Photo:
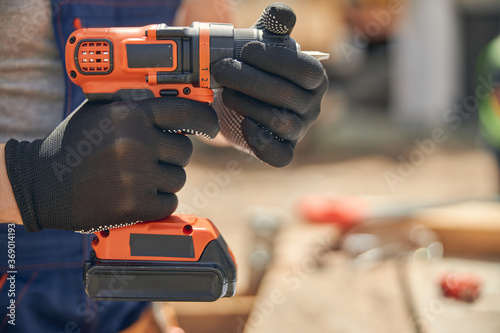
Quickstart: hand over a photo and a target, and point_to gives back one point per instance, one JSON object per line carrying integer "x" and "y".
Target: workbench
{"x": 309, "y": 290}
{"x": 297, "y": 296}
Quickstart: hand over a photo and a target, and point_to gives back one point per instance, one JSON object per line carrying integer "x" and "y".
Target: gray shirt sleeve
{"x": 31, "y": 73}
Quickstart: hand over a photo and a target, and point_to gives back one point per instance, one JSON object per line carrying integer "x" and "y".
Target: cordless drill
{"x": 180, "y": 258}
{"x": 158, "y": 60}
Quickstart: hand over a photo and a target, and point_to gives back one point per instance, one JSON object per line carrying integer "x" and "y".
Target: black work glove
{"x": 107, "y": 165}
{"x": 272, "y": 95}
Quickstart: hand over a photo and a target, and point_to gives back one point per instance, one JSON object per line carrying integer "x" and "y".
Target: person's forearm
{"x": 9, "y": 212}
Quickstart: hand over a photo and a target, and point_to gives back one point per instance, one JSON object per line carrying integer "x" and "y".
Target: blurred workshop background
{"x": 388, "y": 218}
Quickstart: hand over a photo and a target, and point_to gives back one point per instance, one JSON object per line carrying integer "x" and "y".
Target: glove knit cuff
{"x": 17, "y": 163}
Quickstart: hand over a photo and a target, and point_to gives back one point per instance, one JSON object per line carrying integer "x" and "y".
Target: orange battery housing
{"x": 180, "y": 258}
{"x": 195, "y": 232}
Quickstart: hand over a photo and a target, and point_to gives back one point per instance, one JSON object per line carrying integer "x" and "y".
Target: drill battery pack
{"x": 181, "y": 258}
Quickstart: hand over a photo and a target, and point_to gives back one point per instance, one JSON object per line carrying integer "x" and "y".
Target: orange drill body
{"x": 156, "y": 60}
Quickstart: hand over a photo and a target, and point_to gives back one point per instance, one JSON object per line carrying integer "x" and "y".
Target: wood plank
{"x": 223, "y": 315}
{"x": 298, "y": 296}
{"x": 471, "y": 228}
{"x": 437, "y": 314}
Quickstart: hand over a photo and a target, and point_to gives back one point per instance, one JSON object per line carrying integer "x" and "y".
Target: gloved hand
{"x": 107, "y": 165}
{"x": 272, "y": 95}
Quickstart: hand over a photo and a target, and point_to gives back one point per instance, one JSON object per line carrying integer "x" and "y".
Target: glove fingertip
{"x": 169, "y": 204}
{"x": 265, "y": 145}
{"x": 314, "y": 74}
{"x": 229, "y": 97}
{"x": 302, "y": 69}
{"x": 254, "y": 51}
{"x": 176, "y": 114}
{"x": 224, "y": 68}
{"x": 277, "y": 18}
{"x": 210, "y": 122}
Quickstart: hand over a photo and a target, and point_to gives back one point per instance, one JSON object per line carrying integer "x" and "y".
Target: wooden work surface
{"x": 330, "y": 298}
{"x": 295, "y": 296}
{"x": 298, "y": 296}
{"x": 437, "y": 314}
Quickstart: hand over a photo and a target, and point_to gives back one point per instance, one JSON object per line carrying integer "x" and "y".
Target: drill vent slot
{"x": 94, "y": 57}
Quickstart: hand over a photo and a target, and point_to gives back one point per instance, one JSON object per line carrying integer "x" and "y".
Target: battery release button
{"x": 169, "y": 92}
